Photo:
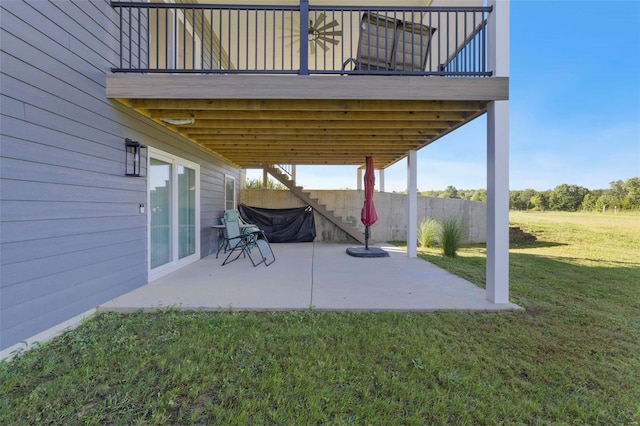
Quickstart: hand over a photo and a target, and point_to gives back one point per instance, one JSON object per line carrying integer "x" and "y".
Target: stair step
{"x": 315, "y": 204}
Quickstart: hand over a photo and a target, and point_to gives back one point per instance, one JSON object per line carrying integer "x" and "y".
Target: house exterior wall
{"x": 71, "y": 232}
{"x": 391, "y": 209}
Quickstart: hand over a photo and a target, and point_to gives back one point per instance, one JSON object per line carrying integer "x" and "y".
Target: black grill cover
{"x": 282, "y": 225}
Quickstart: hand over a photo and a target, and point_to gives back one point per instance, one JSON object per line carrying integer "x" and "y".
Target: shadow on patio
{"x": 311, "y": 275}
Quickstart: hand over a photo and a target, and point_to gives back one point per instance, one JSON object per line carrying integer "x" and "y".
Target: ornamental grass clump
{"x": 450, "y": 236}
{"x": 428, "y": 232}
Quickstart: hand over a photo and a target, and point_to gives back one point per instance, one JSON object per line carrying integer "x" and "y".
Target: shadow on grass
{"x": 535, "y": 244}
{"x": 560, "y": 282}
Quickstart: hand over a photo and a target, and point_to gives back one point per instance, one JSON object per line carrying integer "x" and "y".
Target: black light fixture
{"x": 134, "y": 156}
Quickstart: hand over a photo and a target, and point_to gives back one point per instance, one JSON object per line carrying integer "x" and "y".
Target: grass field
{"x": 573, "y": 357}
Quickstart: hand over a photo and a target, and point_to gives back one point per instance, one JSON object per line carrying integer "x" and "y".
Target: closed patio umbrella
{"x": 368, "y": 215}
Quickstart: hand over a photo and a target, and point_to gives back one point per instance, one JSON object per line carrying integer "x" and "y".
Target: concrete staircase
{"x": 322, "y": 209}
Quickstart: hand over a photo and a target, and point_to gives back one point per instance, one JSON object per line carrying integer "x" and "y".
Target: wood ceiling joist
{"x": 307, "y": 139}
{"x": 293, "y": 161}
{"x": 298, "y": 158}
{"x": 268, "y": 133}
{"x": 322, "y": 124}
{"x": 236, "y": 153}
{"x": 309, "y": 115}
{"x": 239, "y": 149}
{"x": 306, "y": 105}
{"x": 317, "y": 145}
{"x": 258, "y": 152}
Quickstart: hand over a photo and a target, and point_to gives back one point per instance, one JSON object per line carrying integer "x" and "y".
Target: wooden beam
{"x": 268, "y": 133}
{"x": 275, "y": 138}
{"x": 309, "y": 115}
{"x": 305, "y": 105}
{"x": 320, "y": 124}
{"x": 349, "y": 162}
{"x": 355, "y": 159}
{"x": 324, "y": 149}
{"x": 327, "y": 152}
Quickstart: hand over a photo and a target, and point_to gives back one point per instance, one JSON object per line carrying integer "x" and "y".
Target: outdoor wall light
{"x": 135, "y": 153}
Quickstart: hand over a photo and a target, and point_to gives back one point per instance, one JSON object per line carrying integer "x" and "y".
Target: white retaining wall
{"x": 391, "y": 209}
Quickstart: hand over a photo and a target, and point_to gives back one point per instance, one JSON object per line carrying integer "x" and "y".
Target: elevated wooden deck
{"x": 257, "y": 120}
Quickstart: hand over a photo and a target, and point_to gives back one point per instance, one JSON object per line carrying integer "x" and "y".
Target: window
{"x": 229, "y": 192}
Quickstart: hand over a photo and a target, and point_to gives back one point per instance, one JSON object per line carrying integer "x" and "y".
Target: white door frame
{"x": 175, "y": 263}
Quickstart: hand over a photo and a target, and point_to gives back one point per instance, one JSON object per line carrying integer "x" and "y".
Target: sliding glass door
{"x": 160, "y": 192}
{"x": 186, "y": 211}
{"x": 174, "y": 213}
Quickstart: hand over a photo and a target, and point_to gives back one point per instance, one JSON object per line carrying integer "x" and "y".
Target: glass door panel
{"x": 160, "y": 211}
{"x": 186, "y": 211}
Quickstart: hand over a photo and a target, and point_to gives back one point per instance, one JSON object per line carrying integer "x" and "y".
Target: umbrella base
{"x": 363, "y": 252}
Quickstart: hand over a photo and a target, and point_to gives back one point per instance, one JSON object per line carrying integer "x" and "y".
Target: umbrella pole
{"x": 366, "y": 238}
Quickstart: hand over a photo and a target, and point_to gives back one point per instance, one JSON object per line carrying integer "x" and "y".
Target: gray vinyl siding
{"x": 71, "y": 235}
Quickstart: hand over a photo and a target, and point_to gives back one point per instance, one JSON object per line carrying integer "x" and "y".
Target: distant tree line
{"x": 622, "y": 195}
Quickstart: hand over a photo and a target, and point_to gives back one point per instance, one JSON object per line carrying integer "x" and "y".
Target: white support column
{"x": 498, "y": 202}
{"x": 381, "y": 184}
{"x": 498, "y": 160}
{"x": 412, "y": 203}
{"x": 359, "y": 177}
{"x": 243, "y": 179}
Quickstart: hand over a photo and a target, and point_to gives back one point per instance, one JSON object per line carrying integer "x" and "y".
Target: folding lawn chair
{"x": 241, "y": 240}
{"x": 262, "y": 252}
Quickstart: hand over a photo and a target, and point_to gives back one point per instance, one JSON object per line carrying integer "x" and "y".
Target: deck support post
{"x": 498, "y": 202}
{"x": 412, "y": 203}
{"x": 498, "y": 160}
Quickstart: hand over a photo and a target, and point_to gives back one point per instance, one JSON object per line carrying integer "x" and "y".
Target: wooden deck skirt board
{"x": 159, "y": 86}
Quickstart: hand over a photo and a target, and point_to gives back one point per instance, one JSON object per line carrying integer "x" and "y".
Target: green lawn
{"x": 573, "y": 357}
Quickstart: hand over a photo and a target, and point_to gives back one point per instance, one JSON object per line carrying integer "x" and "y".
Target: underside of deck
{"x": 257, "y": 120}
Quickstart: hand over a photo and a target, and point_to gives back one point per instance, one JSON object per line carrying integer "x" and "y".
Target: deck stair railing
{"x": 301, "y": 39}
{"x": 288, "y": 169}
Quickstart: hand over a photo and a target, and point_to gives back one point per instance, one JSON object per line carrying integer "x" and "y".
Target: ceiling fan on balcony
{"x": 321, "y": 33}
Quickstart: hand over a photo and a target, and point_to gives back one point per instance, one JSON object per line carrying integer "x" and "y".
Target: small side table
{"x": 222, "y": 239}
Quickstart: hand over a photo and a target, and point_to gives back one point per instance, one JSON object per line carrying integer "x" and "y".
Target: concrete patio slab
{"x": 310, "y": 275}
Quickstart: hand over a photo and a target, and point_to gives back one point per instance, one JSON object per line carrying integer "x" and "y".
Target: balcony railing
{"x": 302, "y": 39}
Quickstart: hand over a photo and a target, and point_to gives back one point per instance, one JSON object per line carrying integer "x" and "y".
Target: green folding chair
{"x": 241, "y": 241}
{"x": 262, "y": 252}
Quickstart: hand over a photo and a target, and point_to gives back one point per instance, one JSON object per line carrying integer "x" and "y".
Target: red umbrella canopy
{"x": 368, "y": 215}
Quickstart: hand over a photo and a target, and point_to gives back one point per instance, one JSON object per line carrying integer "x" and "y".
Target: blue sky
{"x": 574, "y": 106}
